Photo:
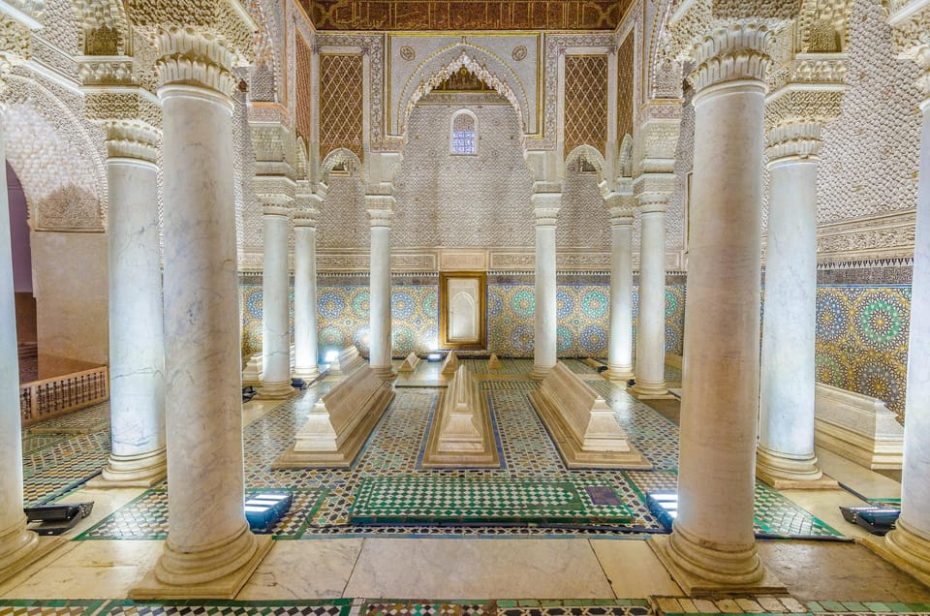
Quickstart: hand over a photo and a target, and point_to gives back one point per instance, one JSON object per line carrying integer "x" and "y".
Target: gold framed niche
{"x": 469, "y": 294}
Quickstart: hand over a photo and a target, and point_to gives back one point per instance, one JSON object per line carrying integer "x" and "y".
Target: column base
{"x": 699, "y": 570}
{"x": 180, "y": 575}
{"x": 540, "y": 372}
{"x": 385, "y": 373}
{"x": 31, "y": 549}
{"x": 307, "y": 374}
{"x": 905, "y": 549}
{"x": 275, "y": 391}
{"x": 138, "y": 471}
{"x": 786, "y": 472}
{"x": 618, "y": 373}
{"x": 651, "y": 391}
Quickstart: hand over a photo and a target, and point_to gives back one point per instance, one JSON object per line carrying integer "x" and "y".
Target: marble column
{"x": 547, "y": 199}
{"x": 276, "y": 345}
{"x": 650, "y": 334}
{"x": 18, "y": 546}
{"x": 785, "y": 457}
{"x": 305, "y": 299}
{"x": 209, "y": 551}
{"x": 137, "y": 344}
{"x": 620, "y": 346}
{"x": 381, "y": 214}
{"x": 712, "y": 546}
{"x": 908, "y": 546}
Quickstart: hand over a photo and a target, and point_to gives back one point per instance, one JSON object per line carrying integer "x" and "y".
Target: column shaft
{"x": 305, "y": 301}
{"x": 908, "y": 546}
{"x": 137, "y": 345}
{"x": 712, "y": 545}
{"x": 16, "y": 543}
{"x": 786, "y": 445}
{"x": 276, "y": 348}
{"x": 380, "y": 297}
{"x": 208, "y": 537}
{"x": 620, "y": 351}
{"x": 650, "y": 341}
{"x": 545, "y": 348}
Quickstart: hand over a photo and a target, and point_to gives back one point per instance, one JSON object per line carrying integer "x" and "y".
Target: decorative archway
{"x": 477, "y": 60}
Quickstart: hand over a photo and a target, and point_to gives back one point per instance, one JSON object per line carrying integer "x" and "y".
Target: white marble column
{"x": 785, "y": 457}
{"x": 546, "y": 203}
{"x": 209, "y": 551}
{"x": 276, "y": 345}
{"x": 712, "y": 546}
{"x": 908, "y": 546}
{"x": 305, "y": 299}
{"x": 381, "y": 214}
{"x": 137, "y": 344}
{"x": 620, "y": 349}
{"x": 650, "y": 334}
{"x": 18, "y": 547}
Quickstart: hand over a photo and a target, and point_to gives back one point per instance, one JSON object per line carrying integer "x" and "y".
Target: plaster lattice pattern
{"x": 862, "y": 336}
{"x": 341, "y": 103}
{"x": 343, "y": 220}
{"x": 583, "y": 219}
{"x": 586, "y": 102}
{"x": 870, "y": 153}
{"x": 463, "y": 201}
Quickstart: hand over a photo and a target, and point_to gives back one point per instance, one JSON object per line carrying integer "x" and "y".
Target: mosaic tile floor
{"x": 425, "y": 502}
{"x": 62, "y": 453}
{"x": 660, "y": 606}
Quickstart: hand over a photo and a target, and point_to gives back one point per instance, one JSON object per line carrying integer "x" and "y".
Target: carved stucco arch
{"x": 479, "y": 61}
{"x": 99, "y": 20}
{"x": 55, "y": 157}
{"x": 339, "y": 157}
{"x": 592, "y": 156}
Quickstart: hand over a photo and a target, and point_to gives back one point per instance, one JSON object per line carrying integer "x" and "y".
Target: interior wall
{"x": 70, "y": 287}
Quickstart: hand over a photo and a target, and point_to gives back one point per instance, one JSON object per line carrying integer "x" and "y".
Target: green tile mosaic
{"x": 412, "y": 499}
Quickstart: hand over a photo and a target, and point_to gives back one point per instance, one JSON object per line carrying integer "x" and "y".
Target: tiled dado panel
{"x": 862, "y": 336}
{"x": 343, "y": 314}
{"x": 583, "y": 316}
{"x": 583, "y": 304}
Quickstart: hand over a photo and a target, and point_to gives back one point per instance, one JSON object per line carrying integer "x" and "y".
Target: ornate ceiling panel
{"x": 466, "y": 14}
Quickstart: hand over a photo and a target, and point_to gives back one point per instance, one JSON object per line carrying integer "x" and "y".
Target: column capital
{"x": 380, "y": 202}
{"x": 653, "y": 202}
{"x": 305, "y": 217}
{"x": 546, "y": 198}
{"x": 276, "y": 209}
{"x": 132, "y": 139}
{"x": 734, "y": 52}
{"x": 380, "y": 218}
{"x": 621, "y": 216}
{"x": 797, "y": 140}
{"x": 546, "y": 216}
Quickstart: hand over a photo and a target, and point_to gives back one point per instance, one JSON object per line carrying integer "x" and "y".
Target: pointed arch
{"x": 340, "y": 158}
{"x": 477, "y": 60}
{"x": 626, "y": 156}
{"x": 590, "y": 155}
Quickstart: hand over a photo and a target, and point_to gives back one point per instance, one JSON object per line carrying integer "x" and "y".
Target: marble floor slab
{"x": 486, "y": 569}
{"x": 304, "y": 570}
{"x": 862, "y": 480}
{"x": 633, "y": 570}
{"x": 86, "y": 570}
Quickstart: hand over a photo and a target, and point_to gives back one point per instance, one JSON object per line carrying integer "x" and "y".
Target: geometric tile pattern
{"x": 413, "y": 499}
{"x": 862, "y": 334}
{"x": 147, "y": 518}
{"x": 62, "y": 453}
{"x": 665, "y": 606}
{"x": 468, "y": 502}
{"x": 583, "y": 317}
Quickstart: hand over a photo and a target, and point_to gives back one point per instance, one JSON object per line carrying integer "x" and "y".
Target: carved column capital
{"x": 735, "y": 52}
{"x": 276, "y": 209}
{"x": 132, "y": 139}
{"x": 189, "y": 57}
{"x": 381, "y": 217}
{"x": 305, "y": 218}
{"x": 794, "y": 140}
{"x": 653, "y": 202}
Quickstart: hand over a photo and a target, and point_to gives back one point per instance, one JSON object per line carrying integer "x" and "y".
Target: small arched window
{"x": 463, "y": 139}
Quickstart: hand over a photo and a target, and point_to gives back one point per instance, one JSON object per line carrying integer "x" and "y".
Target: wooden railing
{"x": 40, "y": 400}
